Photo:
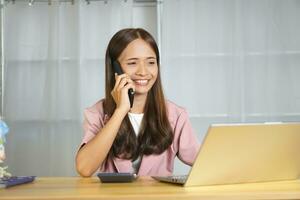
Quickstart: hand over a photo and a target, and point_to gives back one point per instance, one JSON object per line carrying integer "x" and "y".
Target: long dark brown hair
{"x": 155, "y": 134}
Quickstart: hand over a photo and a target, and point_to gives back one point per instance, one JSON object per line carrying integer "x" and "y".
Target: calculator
{"x": 6, "y": 182}
{"x": 116, "y": 177}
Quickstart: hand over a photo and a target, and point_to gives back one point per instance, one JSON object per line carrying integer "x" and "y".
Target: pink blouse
{"x": 185, "y": 143}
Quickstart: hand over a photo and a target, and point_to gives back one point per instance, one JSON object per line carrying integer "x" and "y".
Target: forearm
{"x": 92, "y": 155}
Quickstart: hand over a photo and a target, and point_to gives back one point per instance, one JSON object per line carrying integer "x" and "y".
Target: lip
{"x": 141, "y": 82}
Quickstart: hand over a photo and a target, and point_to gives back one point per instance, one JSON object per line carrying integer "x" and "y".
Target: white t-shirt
{"x": 136, "y": 120}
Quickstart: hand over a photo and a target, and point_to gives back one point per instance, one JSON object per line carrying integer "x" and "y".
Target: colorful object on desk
{"x": 3, "y": 131}
{"x": 4, "y": 173}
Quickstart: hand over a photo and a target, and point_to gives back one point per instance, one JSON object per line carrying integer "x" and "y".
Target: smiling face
{"x": 139, "y": 61}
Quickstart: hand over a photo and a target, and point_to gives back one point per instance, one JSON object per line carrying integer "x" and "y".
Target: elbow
{"x": 83, "y": 169}
{"x": 84, "y": 172}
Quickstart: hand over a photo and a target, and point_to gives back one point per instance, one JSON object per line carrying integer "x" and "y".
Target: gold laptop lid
{"x": 243, "y": 153}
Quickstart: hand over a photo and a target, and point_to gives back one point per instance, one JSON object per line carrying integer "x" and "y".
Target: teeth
{"x": 141, "y": 82}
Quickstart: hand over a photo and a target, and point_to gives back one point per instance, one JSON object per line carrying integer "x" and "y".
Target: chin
{"x": 142, "y": 91}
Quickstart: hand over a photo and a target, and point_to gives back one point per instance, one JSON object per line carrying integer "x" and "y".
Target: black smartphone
{"x": 118, "y": 70}
{"x": 116, "y": 177}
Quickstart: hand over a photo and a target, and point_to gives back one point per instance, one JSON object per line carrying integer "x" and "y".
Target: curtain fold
{"x": 54, "y": 69}
{"x": 233, "y": 61}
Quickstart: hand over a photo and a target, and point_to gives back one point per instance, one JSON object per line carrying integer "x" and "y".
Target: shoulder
{"x": 95, "y": 111}
{"x": 97, "y": 107}
{"x": 175, "y": 111}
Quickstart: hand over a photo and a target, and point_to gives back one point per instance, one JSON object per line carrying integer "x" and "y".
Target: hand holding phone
{"x": 117, "y": 68}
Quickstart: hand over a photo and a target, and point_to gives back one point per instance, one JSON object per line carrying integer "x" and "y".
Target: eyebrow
{"x": 151, "y": 57}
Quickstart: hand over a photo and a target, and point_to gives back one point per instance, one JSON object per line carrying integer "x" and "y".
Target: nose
{"x": 141, "y": 70}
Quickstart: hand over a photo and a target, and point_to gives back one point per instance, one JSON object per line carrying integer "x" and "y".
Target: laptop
{"x": 245, "y": 153}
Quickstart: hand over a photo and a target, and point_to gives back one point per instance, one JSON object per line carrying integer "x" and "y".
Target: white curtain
{"x": 224, "y": 60}
{"x": 54, "y": 68}
{"x": 232, "y": 60}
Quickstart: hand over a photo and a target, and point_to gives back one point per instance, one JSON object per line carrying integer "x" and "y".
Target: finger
{"x": 131, "y": 82}
{"x": 128, "y": 80}
{"x": 118, "y": 78}
{"x": 128, "y": 86}
{"x": 123, "y": 82}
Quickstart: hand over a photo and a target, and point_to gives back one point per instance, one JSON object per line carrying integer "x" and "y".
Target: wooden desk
{"x": 145, "y": 188}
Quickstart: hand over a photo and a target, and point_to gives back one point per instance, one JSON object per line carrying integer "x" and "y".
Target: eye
{"x": 151, "y": 62}
{"x": 131, "y": 63}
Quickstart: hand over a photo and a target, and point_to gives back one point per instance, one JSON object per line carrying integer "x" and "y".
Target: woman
{"x": 144, "y": 138}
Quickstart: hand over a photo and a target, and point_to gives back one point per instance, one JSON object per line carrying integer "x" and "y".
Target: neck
{"x": 139, "y": 103}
